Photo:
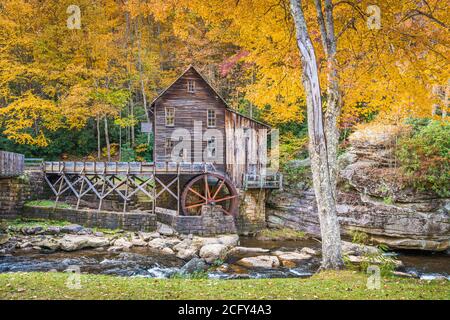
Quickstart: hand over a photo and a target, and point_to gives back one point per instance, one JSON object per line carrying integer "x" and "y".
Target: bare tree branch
{"x": 416, "y": 12}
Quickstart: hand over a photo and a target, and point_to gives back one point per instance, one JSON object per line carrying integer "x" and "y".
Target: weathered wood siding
{"x": 189, "y": 107}
{"x": 246, "y": 151}
{"x": 11, "y": 164}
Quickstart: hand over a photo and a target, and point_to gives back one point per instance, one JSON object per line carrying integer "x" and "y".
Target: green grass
{"x": 20, "y": 223}
{"x": 47, "y": 204}
{"x": 325, "y": 285}
{"x": 44, "y": 223}
{"x": 281, "y": 234}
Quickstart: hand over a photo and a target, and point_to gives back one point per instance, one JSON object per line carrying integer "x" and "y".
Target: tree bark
{"x": 99, "y": 152}
{"x": 132, "y": 114}
{"x": 108, "y": 145}
{"x": 322, "y": 168}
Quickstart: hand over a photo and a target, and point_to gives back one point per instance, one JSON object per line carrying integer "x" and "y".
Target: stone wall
{"x": 212, "y": 221}
{"x": 131, "y": 221}
{"x": 252, "y": 211}
{"x": 15, "y": 191}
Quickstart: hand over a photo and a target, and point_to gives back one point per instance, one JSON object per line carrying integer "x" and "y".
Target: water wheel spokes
{"x": 209, "y": 189}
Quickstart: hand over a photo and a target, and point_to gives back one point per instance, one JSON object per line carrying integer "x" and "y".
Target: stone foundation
{"x": 15, "y": 191}
{"x": 252, "y": 211}
{"x": 131, "y": 221}
{"x": 212, "y": 221}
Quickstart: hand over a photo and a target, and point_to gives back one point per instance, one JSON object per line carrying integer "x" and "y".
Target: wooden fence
{"x": 11, "y": 164}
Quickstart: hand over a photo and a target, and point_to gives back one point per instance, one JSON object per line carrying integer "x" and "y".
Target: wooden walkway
{"x": 126, "y": 168}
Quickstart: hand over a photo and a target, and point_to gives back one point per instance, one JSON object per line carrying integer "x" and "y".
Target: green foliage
{"x": 293, "y": 175}
{"x": 141, "y": 152}
{"x": 20, "y": 223}
{"x": 128, "y": 153}
{"x": 68, "y": 141}
{"x": 218, "y": 263}
{"x": 47, "y": 204}
{"x": 292, "y": 147}
{"x": 424, "y": 156}
{"x": 388, "y": 200}
{"x": 359, "y": 237}
{"x": 385, "y": 263}
{"x": 117, "y": 98}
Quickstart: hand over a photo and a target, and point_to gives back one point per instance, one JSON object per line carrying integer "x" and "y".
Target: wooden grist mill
{"x": 225, "y": 153}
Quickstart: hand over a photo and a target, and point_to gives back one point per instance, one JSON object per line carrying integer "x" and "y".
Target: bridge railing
{"x": 263, "y": 181}
{"x": 120, "y": 168}
{"x": 11, "y": 164}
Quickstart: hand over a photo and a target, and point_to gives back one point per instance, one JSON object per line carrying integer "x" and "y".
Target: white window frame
{"x": 191, "y": 86}
{"x": 167, "y": 116}
{"x": 208, "y": 118}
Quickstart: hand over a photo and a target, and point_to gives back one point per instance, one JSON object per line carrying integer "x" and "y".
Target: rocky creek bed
{"x": 165, "y": 254}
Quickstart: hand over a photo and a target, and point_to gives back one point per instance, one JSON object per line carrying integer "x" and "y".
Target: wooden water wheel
{"x": 209, "y": 189}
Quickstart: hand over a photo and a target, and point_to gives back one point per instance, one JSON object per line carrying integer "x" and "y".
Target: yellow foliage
{"x": 26, "y": 115}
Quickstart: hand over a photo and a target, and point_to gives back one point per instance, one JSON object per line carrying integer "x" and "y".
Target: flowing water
{"x": 145, "y": 262}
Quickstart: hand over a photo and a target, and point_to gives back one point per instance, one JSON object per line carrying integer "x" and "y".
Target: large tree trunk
{"x": 132, "y": 114}
{"x": 108, "y": 145}
{"x": 322, "y": 168}
{"x": 99, "y": 151}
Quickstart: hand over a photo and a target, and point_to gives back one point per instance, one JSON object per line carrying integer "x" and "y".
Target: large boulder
{"x": 123, "y": 243}
{"x": 32, "y": 230}
{"x": 356, "y": 249}
{"x": 72, "y": 229}
{"x": 47, "y": 243}
{"x": 291, "y": 259}
{"x": 245, "y": 252}
{"x": 52, "y": 230}
{"x": 157, "y": 243}
{"x": 374, "y": 260}
{"x": 77, "y": 242}
{"x": 194, "y": 265}
{"x": 186, "y": 254}
{"x": 264, "y": 262}
{"x": 138, "y": 242}
{"x": 146, "y": 236}
{"x": 4, "y": 238}
{"x": 213, "y": 252}
{"x": 203, "y": 241}
{"x": 229, "y": 240}
{"x": 165, "y": 229}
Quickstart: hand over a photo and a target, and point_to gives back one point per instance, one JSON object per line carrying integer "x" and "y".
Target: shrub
{"x": 292, "y": 147}
{"x": 424, "y": 156}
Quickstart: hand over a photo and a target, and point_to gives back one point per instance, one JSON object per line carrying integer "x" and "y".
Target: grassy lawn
{"x": 326, "y": 285}
{"x": 47, "y": 204}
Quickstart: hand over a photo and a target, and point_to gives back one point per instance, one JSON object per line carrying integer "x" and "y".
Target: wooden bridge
{"x": 202, "y": 185}
{"x": 124, "y": 179}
